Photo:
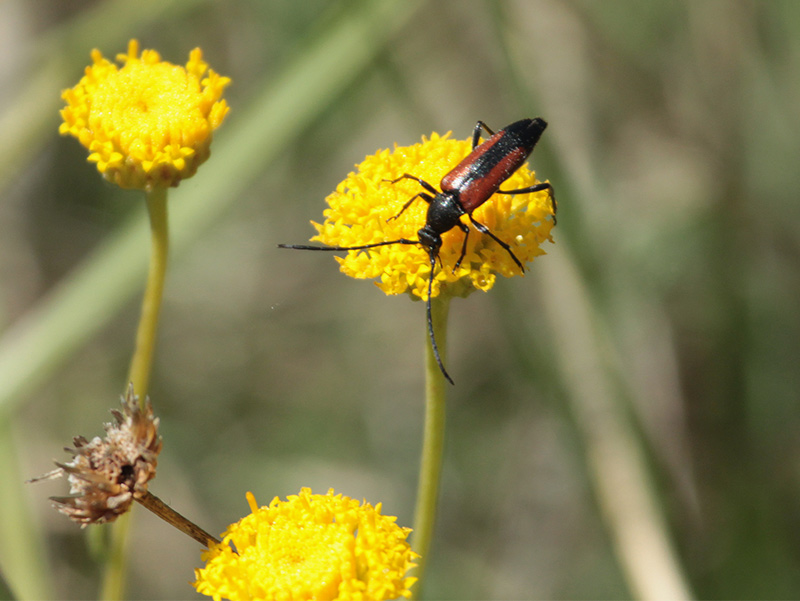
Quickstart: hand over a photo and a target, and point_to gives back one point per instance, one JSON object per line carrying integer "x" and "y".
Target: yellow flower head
{"x": 310, "y": 547}
{"x": 361, "y": 207}
{"x": 148, "y": 123}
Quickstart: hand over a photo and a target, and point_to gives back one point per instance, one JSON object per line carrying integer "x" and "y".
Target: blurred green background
{"x": 630, "y": 406}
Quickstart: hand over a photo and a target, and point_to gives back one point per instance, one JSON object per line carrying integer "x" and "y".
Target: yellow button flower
{"x": 148, "y": 123}
{"x": 319, "y": 547}
{"x": 361, "y": 207}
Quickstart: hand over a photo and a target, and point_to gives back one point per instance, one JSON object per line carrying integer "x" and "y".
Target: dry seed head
{"x": 107, "y": 475}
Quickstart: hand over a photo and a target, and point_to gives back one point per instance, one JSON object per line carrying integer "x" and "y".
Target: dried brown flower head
{"x": 107, "y": 475}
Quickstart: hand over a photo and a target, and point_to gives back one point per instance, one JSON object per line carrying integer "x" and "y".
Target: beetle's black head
{"x": 430, "y": 240}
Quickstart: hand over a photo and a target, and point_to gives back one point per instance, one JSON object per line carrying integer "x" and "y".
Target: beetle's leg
{"x": 537, "y": 188}
{"x": 464, "y": 229}
{"x": 419, "y": 180}
{"x": 476, "y": 134}
{"x": 485, "y": 230}
{"x": 426, "y": 197}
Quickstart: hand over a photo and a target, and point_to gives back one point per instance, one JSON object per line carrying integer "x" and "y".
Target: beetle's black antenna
{"x": 430, "y": 323}
{"x": 362, "y": 247}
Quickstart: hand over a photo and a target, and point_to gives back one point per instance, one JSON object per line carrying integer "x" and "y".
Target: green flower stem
{"x": 115, "y": 574}
{"x": 433, "y": 441}
{"x": 139, "y": 374}
{"x": 142, "y": 362}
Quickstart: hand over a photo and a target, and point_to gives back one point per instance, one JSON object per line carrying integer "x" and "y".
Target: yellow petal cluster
{"x": 147, "y": 123}
{"x": 360, "y": 209}
{"x": 320, "y": 547}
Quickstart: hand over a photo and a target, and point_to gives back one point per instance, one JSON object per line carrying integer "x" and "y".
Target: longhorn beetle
{"x": 470, "y": 184}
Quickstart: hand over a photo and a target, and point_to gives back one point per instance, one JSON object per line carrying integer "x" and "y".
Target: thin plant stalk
{"x": 139, "y": 375}
{"x": 142, "y": 362}
{"x": 615, "y": 459}
{"x": 176, "y": 520}
{"x": 25, "y": 574}
{"x": 432, "y": 443}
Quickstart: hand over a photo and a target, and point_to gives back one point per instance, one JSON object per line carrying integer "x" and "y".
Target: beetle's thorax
{"x": 444, "y": 212}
